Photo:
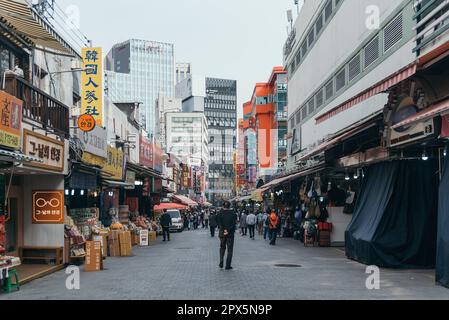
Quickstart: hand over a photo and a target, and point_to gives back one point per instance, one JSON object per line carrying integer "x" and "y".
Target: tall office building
{"x": 220, "y": 108}
{"x": 138, "y": 71}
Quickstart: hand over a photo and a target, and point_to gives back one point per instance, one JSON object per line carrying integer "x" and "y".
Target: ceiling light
{"x": 425, "y": 157}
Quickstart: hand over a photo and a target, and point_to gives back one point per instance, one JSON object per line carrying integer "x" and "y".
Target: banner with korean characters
{"x": 95, "y": 151}
{"x": 48, "y": 207}
{"x": 10, "y": 120}
{"x": 50, "y": 151}
{"x": 92, "y": 84}
{"x": 115, "y": 163}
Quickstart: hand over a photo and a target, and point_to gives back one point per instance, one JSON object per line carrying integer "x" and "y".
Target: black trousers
{"x": 226, "y": 242}
{"x": 212, "y": 231}
{"x": 166, "y": 233}
{"x": 251, "y": 230}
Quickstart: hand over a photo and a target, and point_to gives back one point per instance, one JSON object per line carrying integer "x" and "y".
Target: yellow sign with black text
{"x": 114, "y": 164}
{"x": 92, "y": 84}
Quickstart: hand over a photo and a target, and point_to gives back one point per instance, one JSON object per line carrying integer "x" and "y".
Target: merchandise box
{"x": 114, "y": 249}
{"x": 152, "y": 236}
{"x": 114, "y": 234}
{"x": 125, "y": 237}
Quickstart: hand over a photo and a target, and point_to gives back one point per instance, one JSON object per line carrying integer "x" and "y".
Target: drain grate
{"x": 183, "y": 248}
{"x": 286, "y": 265}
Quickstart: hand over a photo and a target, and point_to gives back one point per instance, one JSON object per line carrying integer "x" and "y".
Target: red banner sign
{"x": 146, "y": 153}
{"x": 445, "y": 126}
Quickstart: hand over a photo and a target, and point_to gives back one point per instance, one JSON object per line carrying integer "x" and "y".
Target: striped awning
{"x": 379, "y": 87}
{"x": 30, "y": 26}
{"x": 431, "y": 112}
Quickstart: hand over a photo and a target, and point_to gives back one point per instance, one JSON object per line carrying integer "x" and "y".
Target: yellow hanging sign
{"x": 92, "y": 84}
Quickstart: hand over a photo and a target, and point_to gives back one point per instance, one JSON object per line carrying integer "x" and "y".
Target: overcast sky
{"x": 233, "y": 39}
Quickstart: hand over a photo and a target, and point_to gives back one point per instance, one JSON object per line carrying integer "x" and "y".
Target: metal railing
{"x": 38, "y": 106}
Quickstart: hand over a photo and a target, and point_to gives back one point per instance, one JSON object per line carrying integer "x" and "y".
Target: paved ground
{"x": 186, "y": 268}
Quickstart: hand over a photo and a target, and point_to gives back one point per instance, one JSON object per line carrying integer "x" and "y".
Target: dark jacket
{"x": 165, "y": 220}
{"x": 213, "y": 220}
{"x": 227, "y": 220}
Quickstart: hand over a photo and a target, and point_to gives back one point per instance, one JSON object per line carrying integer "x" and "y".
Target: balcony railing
{"x": 38, "y": 106}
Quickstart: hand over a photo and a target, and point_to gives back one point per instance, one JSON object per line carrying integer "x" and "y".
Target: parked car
{"x": 176, "y": 220}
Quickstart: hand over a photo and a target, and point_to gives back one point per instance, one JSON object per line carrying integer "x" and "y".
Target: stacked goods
{"x": 325, "y": 230}
{"x": 125, "y": 243}
{"x": 123, "y": 214}
{"x": 114, "y": 243}
{"x": 152, "y": 236}
{"x": 85, "y": 219}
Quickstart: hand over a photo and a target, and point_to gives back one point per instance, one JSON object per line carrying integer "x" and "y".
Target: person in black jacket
{"x": 165, "y": 224}
{"x": 227, "y": 221}
{"x": 212, "y": 223}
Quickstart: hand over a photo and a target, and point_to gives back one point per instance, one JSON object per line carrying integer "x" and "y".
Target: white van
{"x": 176, "y": 220}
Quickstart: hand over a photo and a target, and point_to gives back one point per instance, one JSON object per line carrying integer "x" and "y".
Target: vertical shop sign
{"x": 92, "y": 84}
{"x": 146, "y": 152}
{"x": 114, "y": 164}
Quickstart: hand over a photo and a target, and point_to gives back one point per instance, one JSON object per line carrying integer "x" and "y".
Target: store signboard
{"x": 94, "y": 260}
{"x": 144, "y": 238}
{"x": 157, "y": 157}
{"x": 94, "y": 142}
{"x": 50, "y": 151}
{"x": 114, "y": 164}
{"x": 130, "y": 179}
{"x": 10, "y": 120}
{"x": 92, "y": 84}
{"x": 48, "y": 207}
{"x": 445, "y": 126}
{"x": 146, "y": 152}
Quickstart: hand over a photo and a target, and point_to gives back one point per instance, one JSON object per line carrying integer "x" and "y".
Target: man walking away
{"x": 243, "y": 224}
{"x": 266, "y": 225}
{"x": 251, "y": 222}
{"x": 165, "y": 224}
{"x": 227, "y": 220}
{"x": 274, "y": 227}
{"x": 260, "y": 223}
{"x": 212, "y": 224}
{"x": 206, "y": 219}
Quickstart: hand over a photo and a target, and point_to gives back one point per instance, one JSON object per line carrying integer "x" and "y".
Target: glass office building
{"x": 220, "y": 108}
{"x": 138, "y": 71}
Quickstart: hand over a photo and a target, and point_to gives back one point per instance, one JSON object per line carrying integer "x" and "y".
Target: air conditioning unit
{"x": 409, "y": 133}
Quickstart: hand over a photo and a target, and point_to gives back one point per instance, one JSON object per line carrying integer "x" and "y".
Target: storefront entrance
{"x": 14, "y": 221}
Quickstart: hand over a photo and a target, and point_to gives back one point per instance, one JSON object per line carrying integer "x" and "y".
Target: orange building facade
{"x": 265, "y": 129}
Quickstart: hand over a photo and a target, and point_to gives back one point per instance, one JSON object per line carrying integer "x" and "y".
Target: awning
{"x": 169, "y": 206}
{"x": 117, "y": 184}
{"x": 143, "y": 171}
{"x": 25, "y": 22}
{"x": 167, "y": 190}
{"x": 425, "y": 114}
{"x": 17, "y": 157}
{"x": 185, "y": 200}
{"x": 349, "y": 132}
{"x": 257, "y": 194}
{"x": 379, "y": 87}
{"x": 207, "y": 204}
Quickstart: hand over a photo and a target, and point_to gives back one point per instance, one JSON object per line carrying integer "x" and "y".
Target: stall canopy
{"x": 394, "y": 223}
{"x": 184, "y": 200}
{"x": 442, "y": 264}
{"x": 433, "y": 111}
{"x": 169, "y": 206}
{"x": 31, "y": 27}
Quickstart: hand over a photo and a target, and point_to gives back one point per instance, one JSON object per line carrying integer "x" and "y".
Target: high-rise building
{"x": 140, "y": 70}
{"x": 183, "y": 70}
{"x": 164, "y": 105}
{"x": 220, "y": 108}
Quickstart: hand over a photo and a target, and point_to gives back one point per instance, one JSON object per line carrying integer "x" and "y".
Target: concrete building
{"x": 164, "y": 105}
{"x": 140, "y": 70}
{"x": 220, "y": 108}
{"x": 187, "y": 138}
{"x": 183, "y": 71}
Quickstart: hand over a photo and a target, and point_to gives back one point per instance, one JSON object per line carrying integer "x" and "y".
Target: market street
{"x": 186, "y": 268}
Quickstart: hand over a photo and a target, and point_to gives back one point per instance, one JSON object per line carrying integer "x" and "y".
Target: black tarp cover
{"x": 442, "y": 265}
{"x": 394, "y": 223}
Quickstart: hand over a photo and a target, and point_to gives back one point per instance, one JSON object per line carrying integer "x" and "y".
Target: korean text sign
{"x": 92, "y": 84}
{"x": 10, "y": 120}
{"x": 49, "y": 150}
{"x": 48, "y": 207}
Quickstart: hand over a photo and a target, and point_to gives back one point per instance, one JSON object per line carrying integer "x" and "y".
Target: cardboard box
{"x": 152, "y": 236}
{"x": 125, "y": 237}
{"x": 114, "y": 248}
{"x": 114, "y": 234}
{"x": 126, "y": 250}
